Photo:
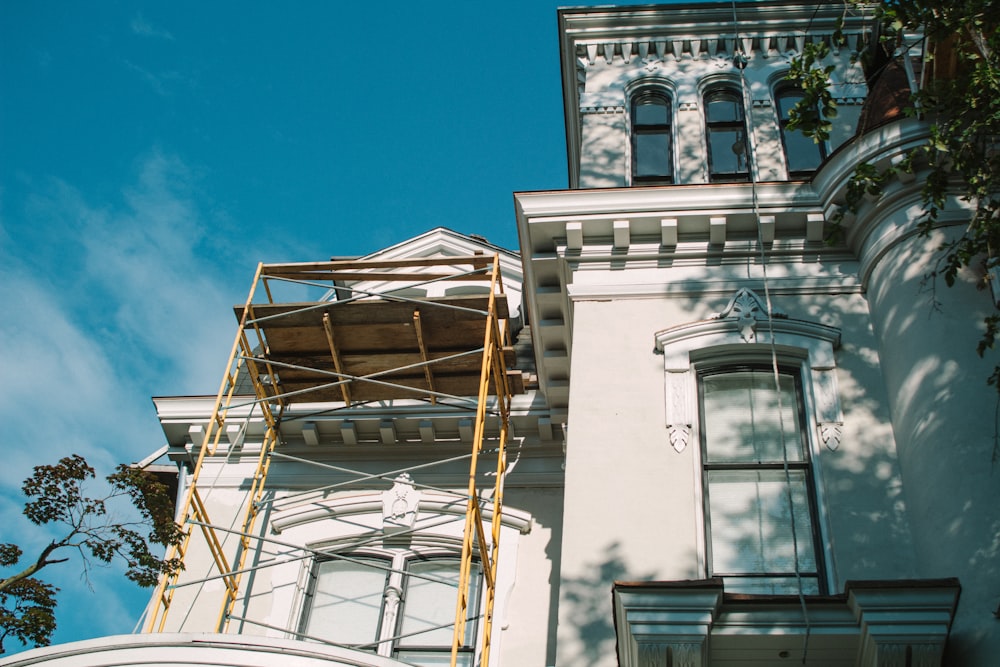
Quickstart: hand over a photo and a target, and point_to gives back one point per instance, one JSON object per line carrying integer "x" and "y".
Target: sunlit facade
{"x": 735, "y": 438}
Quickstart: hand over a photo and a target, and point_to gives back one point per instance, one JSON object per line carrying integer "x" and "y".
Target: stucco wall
{"x": 944, "y": 417}
{"x": 632, "y": 505}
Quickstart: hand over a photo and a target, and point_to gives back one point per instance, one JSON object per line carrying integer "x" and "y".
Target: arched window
{"x": 802, "y": 155}
{"x": 397, "y": 603}
{"x": 725, "y": 124}
{"x": 652, "y": 140}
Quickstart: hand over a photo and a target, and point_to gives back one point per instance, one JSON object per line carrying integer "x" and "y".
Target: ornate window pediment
{"x": 746, "y": 331}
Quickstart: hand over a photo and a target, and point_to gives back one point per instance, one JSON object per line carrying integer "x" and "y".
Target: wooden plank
{"x": 335, "y": 355}
{"x": 365, "y": 391}
{"x": 458, "y": 260}
{"x": 376, "y": 276}
{"x": 366, "y": 364}
{"x": 375, "y": 311}
{"x": 375, "y": 338}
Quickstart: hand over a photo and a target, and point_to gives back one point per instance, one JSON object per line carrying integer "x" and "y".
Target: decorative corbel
{"x": 678, "y": 408}
{"x": 829, "y": 416}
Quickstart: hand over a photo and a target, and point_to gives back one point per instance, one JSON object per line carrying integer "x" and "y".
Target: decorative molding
{"x": 679, "y": 408}
{"x": 687, "y": 654}
{"x": 659, "y": 626}
{"x": 747, "y": 309}
{"x": 653, "y": 654}
{"x": 829, "y": 415}
{"x": 830, "y": 434}
{"x": 400, "y": 505}
{"x": 319, "y": 507}
{"x": 609, "y": 109}
{"x": 687, "y": 106}
{"x": 903, "y": 626}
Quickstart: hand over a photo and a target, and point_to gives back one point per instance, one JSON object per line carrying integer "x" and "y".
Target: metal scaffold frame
{"x": 282, "y": 371}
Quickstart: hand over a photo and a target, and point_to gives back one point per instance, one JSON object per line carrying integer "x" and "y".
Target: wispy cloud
{"x": 159, "y": 82}
{"x": 129, "y": 298}
{"x": 141, "y": 26}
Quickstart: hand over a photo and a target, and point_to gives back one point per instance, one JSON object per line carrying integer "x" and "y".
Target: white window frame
{"x": 396, "y": 563}
{"x": 356, "y": 522}
{"x": 644, "y": 90}
{"x": 744, "y": 333}
{"x": 806, "y": 464}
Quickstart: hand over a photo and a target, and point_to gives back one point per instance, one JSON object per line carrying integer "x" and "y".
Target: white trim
{"x": 746, "y": 333}
{"x": 316, "y": 507}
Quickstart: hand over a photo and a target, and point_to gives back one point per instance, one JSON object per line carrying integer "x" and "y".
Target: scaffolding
{"x": 352, "y": 345}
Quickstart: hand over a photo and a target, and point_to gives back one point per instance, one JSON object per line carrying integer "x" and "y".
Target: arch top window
{"x": 728, "y": 154}
{"x": 652, "y": 140}
{"x": 802, "y": 155}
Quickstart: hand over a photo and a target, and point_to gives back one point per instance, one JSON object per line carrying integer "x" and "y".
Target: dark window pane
{"x": 803, "y": 153}
{"x": 652, "y": 111}
{"x": 724, "y": 108}
{"x": 652, "y": 154}
{"x": 652, "y": 145}
{"x": 786, "y": 101}
{"x": 728, "y": 151}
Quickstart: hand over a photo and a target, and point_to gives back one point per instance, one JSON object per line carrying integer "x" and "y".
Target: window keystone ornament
{"x": 399, "y": 505}
{"x": 746, "y": 308}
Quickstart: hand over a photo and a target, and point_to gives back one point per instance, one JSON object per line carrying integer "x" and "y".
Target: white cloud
{"x": 142, "y": 27}
{"x": 124, "y": 299}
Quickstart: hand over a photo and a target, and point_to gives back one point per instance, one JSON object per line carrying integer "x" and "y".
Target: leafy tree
{"x": 56, "y": 496}
{"x": 961, "y": 103}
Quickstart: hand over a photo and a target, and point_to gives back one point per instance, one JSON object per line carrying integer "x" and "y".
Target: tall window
{"x": 759, "y": 500}
{"x": 401, "y": 606}
{"x": 652, "y": 139}
{"x": 802, "y": 155}
{"x": 728, "y": 154}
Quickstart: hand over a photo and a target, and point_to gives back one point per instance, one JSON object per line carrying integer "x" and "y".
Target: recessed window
{"x": 401, "y": 605}
{"x": 652, "y": 139}
{"x": 759, "y": 499}
{"x": 802, "y": 155}
{"x": 725, "y": 124}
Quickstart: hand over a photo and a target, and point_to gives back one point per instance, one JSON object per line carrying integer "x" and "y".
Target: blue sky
{"x": 151, "y": 153}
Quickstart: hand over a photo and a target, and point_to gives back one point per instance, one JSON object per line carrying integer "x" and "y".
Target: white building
{"x": 730, "y": 442}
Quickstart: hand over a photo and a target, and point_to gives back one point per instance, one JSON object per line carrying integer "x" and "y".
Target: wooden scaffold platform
{"x": 364, "y": 340}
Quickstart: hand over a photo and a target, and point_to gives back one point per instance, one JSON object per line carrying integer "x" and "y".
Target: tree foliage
{"x": 959, "y": 99}
{"x": 88, "y": 525}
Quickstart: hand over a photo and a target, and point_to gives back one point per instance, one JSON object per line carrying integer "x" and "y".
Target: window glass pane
{"x": 786, "y": 101}
{"x": 729, "y": 154}
{"x": 433, "y": 659}
{"x": 347, "y": 601}
{"x": 652, "y": 111}
{"x": 652, "y": 154}
{"x": 803, "y": 153}
{"x": 751, "y": 522}
{"x": 428, "y": 604}
{"x": 741, "y": 418}
{"x": 771, "y": 585}
{"x": 723, "y": 108}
